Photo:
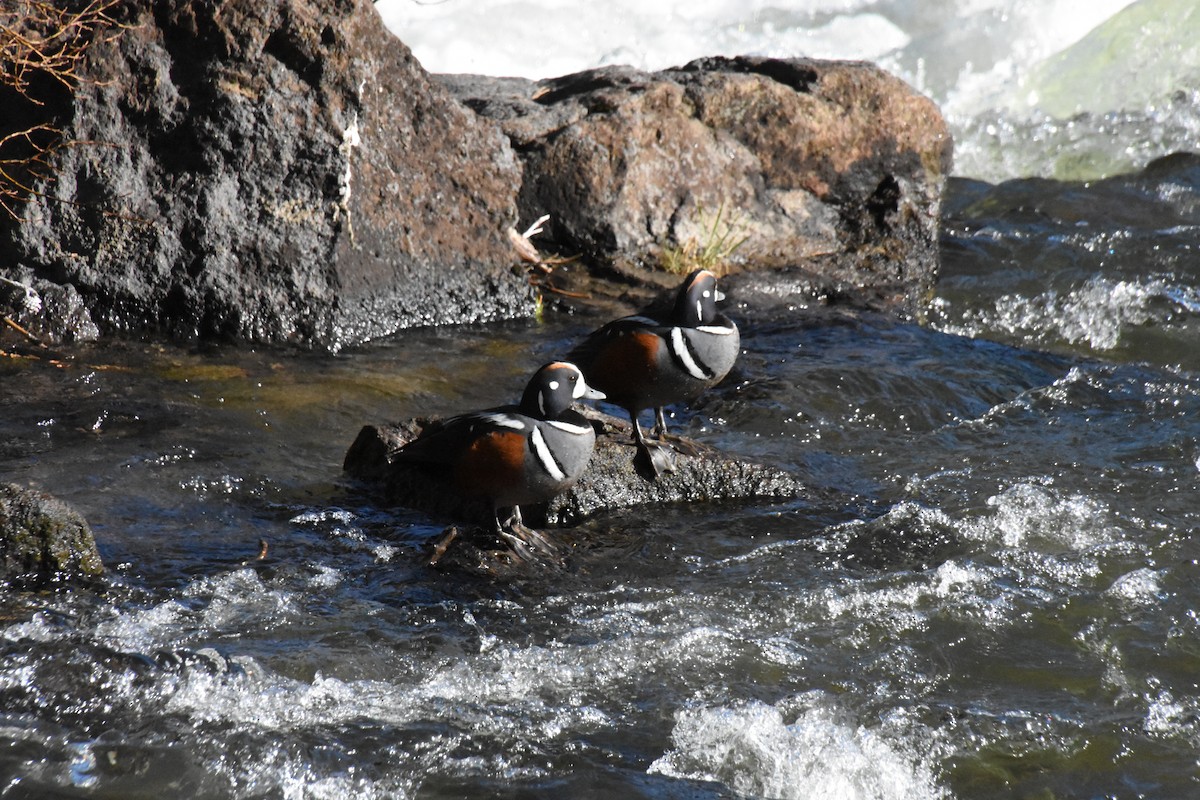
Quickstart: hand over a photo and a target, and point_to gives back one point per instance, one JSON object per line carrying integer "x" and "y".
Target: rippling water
{"x": 989, "y": 591}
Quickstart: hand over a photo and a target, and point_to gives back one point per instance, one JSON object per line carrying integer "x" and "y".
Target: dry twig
{"x": 42, "y": 47}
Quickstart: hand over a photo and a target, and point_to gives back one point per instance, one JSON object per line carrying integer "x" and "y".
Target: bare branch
{"x": 42, "y": 46}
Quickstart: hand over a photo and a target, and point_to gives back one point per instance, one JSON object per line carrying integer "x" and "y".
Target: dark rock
{"x": 287, "y": 172}
{"x": 269, "y": 172}
{"x": 43, "y": 541}
{"x": 610, "y": 482}
{"x": 836, "y": 167}
{"x": 49, "y": 312}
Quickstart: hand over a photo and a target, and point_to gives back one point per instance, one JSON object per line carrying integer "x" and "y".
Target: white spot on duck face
{"x": 580, "y": 387}
{"x": 554, "y": 386}
{"x": 545, "y": 457}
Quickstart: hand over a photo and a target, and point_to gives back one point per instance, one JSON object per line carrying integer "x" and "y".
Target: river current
{"x": 989, "y": 590}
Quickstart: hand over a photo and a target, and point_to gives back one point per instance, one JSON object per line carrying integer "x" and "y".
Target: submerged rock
{"x": 611, "y": 482}
{"x": 833, "y": 167}
{"x": 43, "y": 541}
{"x": 268, "y": 172}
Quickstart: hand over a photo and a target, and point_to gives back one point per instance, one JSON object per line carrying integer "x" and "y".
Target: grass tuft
{"x": 723, "y": 235}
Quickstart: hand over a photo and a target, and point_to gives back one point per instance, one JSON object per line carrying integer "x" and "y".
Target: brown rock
{"x": 836, "y": 167}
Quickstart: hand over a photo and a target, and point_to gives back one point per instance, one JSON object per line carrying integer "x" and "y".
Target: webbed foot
{"x": 652, "y": 460}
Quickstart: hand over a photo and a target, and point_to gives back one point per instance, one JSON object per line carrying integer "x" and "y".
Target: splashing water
{"x": 1065, "y": 89}
{"x": 820, "y": 753}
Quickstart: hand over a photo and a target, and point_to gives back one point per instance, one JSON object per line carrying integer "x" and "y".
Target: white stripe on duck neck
{"x": 545, "y": 457}
{"x": 679, "y": 349}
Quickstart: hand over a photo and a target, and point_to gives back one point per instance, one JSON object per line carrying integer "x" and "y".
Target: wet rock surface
{"x": 611, "y": 483}
{"x": 281, "y": 172}
{"x": 43, "y": 541}
{"x": 46, "y": 312}
{"x": 835, "y": 168}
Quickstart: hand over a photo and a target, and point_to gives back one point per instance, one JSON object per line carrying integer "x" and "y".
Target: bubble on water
{"x": 817, "y": 750}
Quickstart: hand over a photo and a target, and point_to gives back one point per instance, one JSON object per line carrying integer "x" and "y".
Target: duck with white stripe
{"x": 651, "y": 360}
{"x": 513, "y": 455}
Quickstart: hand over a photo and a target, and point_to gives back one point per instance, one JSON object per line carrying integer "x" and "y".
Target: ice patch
{"x": 756, "y": 752}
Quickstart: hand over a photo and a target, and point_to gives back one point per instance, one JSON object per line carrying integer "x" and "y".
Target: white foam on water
{"x": 816, "y": 750}
{"x": 513, "y": 702}
{"x": 237, "y": 600}
{"x": 280, "y": 773}
{"x": 991, "y": 64}
{"x": 1094, "y": 313}
{"x": 316, "y": 516}
{"x": 1029, "y": 515}
{"x": 39, "y": 628}
{"x": 548, "y": 38}
{"x": 1172, "y": 717}
{"x": 1139, "y": 587}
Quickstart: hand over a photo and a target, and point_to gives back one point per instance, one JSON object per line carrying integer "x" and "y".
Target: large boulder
{"x": 280, "y": 171}
{"x": 43, "y": 541}
{"x": 833, "y": 167}
{"x": 287, "y": 172}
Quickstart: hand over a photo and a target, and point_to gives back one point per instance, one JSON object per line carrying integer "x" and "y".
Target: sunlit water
{"x": 1067, "y": 89}
{"x": 990, "y": 589}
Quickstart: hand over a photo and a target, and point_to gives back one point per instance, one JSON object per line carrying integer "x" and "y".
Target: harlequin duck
{"x": 660, "y": 357}
{"x": 516, "y": 454}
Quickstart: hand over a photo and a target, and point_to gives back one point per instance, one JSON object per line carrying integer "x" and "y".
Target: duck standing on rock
{"x": 513, "y": 455}
{"x": 651, "y": 359}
